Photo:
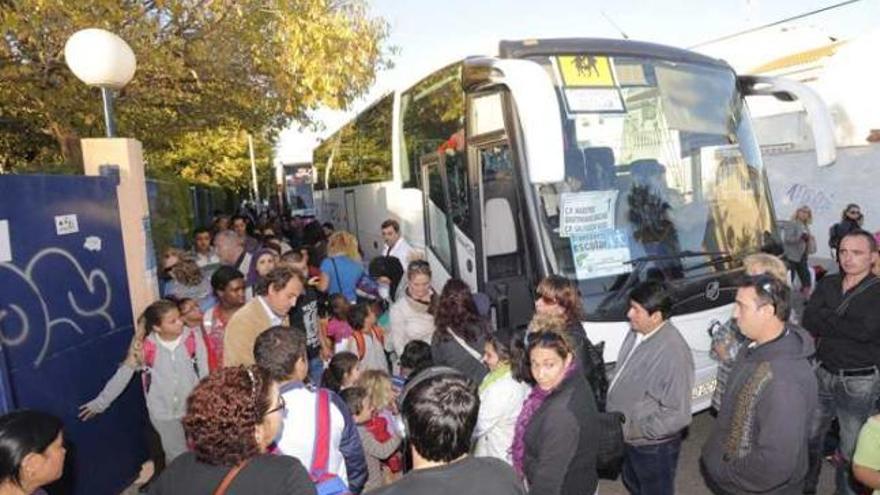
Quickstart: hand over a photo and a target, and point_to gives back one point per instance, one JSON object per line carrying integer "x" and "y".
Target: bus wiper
{"x": 681, "y": 255}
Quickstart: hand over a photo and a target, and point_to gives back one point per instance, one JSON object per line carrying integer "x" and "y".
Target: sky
{"x": 429, "y": 34}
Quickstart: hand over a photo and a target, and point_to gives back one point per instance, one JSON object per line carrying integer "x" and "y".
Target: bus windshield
{"x": 663, "y": 178}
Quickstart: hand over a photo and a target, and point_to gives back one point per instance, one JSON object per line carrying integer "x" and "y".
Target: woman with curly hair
{"x": 558, "y": 307}
{"x": 232, "y": 417}
{"x": 557, "y": 431}
{"x": 459, "y": 331}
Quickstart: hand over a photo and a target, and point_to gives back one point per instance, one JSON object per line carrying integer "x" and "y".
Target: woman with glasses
{"x": 232, "y": 417}
{"x": 556, "y": 433}
{"x": 799, "y": 244}
{"x": 851, "y": 220}
{"x": 557, "y": 296}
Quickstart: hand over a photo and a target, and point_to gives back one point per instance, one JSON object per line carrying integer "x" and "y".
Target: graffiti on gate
{"x": 51, "y": 293}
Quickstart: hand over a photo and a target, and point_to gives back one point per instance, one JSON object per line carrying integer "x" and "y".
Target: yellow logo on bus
{"x": 586, "y": 70}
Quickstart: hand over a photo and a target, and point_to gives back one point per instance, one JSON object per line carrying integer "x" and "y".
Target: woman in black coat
{"x": 559, "y": 298}
{"x": 460, "y": 332}
{"x": 554, "y": 445}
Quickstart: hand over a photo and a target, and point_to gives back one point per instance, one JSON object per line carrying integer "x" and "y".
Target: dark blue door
{"x": 65, "y": 321}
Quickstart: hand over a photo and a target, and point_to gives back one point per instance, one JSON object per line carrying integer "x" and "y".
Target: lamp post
{"x": 101, "y": 59}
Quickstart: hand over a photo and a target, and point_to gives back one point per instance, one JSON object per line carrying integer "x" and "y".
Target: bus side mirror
{"x": 537, "y": 107}
{"x": 817, "y": 113}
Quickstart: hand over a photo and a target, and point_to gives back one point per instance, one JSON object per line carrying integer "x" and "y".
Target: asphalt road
{"x": 688, "y": 480}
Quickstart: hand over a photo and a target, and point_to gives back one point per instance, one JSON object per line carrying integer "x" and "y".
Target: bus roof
{"x": 603, "y": 46}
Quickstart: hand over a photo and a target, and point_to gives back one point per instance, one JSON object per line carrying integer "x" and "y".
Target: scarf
{"x": 498, "y": 373}
{"x": 531, "y": 405}
{"x": 419, "y": 305}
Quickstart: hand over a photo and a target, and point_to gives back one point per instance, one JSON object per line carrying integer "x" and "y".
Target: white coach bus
{"x": 607, "y": 161}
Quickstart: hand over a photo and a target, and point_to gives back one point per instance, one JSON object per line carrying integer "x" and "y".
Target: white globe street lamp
{"x": 101, "y": 59}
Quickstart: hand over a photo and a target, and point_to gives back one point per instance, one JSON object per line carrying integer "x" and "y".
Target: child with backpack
{"x": 376, "y": 452}
{"x": 367, "y": 338}
{"x": 172, "y": 359}
{"x": 338, "y": 329}
{"x": 382, "y": 424}
{"x": 318, "y": 428}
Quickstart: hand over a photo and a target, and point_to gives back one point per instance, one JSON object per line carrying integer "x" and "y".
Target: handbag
{"x": 844, "y": 305}
{"x": 230, "y": 476}
{"x": 610, "y": 448}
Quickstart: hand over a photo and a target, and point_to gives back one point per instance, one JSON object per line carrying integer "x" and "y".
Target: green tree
{"x": 217, "y": 156}
{"x": 205, "y": 69}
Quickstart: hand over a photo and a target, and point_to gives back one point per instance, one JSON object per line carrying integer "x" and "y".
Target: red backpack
{"x": 326, "y": 483}
{"x": 150, "y": 358}
{"x": 361, "y": 343}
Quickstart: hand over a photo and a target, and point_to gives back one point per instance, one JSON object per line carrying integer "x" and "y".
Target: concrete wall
{"x": 854, "y": 178}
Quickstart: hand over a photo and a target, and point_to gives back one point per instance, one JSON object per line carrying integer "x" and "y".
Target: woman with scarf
{"x": 501, "y": 399}
{"x": 265, "y": 260}
{"x": 559, "y": 297}
{"x": 556, "y": 434}
{"x": 410, "y": 316}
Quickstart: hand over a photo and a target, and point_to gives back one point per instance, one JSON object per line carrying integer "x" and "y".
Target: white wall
{"x": 854, "y": 178}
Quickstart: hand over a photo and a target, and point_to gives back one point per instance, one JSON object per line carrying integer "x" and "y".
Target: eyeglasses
{"x": 280, "y": 407}
{"x": 854, "y": 212}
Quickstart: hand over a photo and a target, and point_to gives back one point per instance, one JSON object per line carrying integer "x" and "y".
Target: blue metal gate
{"x": 65, "y": 321}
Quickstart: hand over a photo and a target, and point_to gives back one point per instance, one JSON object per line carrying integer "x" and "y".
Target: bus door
{"x": 504, "y": 267}
{"x": 446, "y": 181}
{"x": 436, "y": 211}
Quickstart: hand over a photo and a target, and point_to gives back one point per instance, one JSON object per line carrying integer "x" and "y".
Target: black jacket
{"x": 560, "y": 441}
{"x": 848, "y": 337}
{"x": 446, "y": 351}
{"x": 589, "y": 358}
{"x": 759, "y": 441}
{"x": 840, "y": 229}
{"x": 265, "y": 474}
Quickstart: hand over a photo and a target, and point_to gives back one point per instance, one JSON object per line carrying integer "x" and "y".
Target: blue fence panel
{"x": 65, "y": 321}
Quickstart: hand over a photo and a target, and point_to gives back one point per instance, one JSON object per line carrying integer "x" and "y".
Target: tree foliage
{"x": 217, "y": 156}
{"x": 206, "y": 69}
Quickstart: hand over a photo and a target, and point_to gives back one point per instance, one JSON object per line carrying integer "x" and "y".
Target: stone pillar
{"x": 134, "y": 213}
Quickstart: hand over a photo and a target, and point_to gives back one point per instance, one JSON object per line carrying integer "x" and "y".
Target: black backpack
{"x": 594, "y": 371}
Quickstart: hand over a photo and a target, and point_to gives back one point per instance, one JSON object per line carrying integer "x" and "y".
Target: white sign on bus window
{"x": 600, "y": 254}
{"x": 587, "y": 212}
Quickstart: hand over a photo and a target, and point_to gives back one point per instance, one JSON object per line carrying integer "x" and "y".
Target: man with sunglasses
{"x": 844, "y": 316}
{"x": 759, "y": 443}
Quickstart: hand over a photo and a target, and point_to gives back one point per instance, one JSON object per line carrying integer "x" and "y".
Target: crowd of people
{"x": 287, "y": 364}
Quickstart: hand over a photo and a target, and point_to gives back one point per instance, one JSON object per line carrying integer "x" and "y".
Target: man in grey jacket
{"x": 652, "y": 388}
{"x": 759, "y": 441}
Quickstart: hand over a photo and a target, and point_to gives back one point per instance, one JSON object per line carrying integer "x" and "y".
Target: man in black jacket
{"x": 759, "y": 442}
{"x": 844, "y": 316}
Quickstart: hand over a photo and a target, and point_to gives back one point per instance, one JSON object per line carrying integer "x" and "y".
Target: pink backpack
{"x": 150, "y": 358}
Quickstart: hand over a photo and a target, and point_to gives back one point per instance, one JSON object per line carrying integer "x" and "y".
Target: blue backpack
{"x": 326, "y": 483}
